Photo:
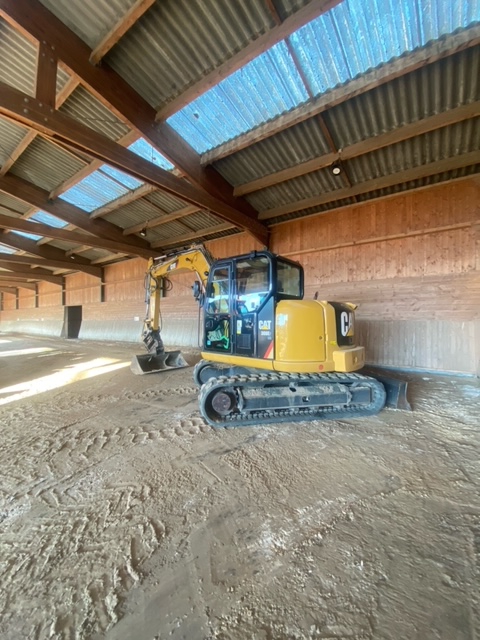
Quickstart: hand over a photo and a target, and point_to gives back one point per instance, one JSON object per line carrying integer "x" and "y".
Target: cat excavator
{"x": 268, "y": 355}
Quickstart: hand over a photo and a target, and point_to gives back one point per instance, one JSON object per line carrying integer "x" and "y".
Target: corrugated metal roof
{"x": 13, "y": 203}
{"x": 10, "y": 136}
{"x": 91, "y": 20}
{"x": 179, "y": 41}
{"x": 442, "y": 143}
{"x": 286, "y": 149}
{"x": 135, "y": 212}
{"x": 62, "y": 78}
{"x": 399, "y": 188}
{"x": 85, "y": 108}
{"x": 348, "y": 40}
{"x": 165, "y": 201}
{"x": 30, "y": 236}
{"x": 18, "y": 59}
{"x": 430, "y": 90}
{"x": 45, "y": 164}
{"x": 415, "y": 152}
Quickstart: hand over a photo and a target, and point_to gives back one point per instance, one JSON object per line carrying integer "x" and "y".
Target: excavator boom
{"x": 196, "y": 259}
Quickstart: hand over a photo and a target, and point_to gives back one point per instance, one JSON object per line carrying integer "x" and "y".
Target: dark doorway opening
{"x": 72, "y": 321}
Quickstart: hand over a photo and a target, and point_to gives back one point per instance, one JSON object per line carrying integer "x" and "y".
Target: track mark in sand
{"x": 106, "y": 529}
{"x": 160, "y": 394}
{"x": 191, "y": 426}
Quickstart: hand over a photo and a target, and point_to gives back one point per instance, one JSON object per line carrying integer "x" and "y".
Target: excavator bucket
{"x": 151, "y": 363}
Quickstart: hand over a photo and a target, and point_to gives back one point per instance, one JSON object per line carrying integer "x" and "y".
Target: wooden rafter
{"x": 282, "y": 29}
{"x": 157, "y": 222}
{"x": 15, "y": 269}
{"x": 400, "y": 66}
{"x": 135, "y": 12}
{"x": 447, "y": 164}
{"x": 21, "y": 243}
{"x": 88, "y": 169}
{"x": 13, "y": 286}
{"x": 128, "y": 197}
{"x": 55, "y": 264}
{"x": 19, "y": 224}
{"x": 405, "y": 132}
{"x": 20, "y": 275}
{"x": 32, "y": 18}
{"x": 24, "y": 109}
{"x": 17, "y": 152}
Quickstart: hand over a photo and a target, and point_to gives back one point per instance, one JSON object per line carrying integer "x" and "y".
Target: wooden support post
{"x": 46, "y": 88}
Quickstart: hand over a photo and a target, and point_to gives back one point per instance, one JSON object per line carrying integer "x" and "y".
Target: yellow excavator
{"x": 268, "y": 355}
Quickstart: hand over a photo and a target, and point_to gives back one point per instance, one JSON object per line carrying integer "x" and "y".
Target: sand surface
{"x": 123, "y": 516}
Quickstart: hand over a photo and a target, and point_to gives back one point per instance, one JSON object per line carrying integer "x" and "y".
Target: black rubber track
{"x": 237, "y": 417}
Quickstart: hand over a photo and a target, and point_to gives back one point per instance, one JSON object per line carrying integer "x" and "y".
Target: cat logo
{"x": 265, "y": 326}
{"x": 172, "y": 266}
{"x": 346, "y": 323}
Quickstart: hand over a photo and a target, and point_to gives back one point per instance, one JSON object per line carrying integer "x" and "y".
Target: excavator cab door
{"x": 218, "y": 317}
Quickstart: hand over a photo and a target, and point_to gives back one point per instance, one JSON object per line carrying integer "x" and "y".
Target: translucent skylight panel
{"x": 263, "y": 89}
{"x": 347, "y": 41}
{"x": 124, "y": 179}
{"x": 145, "y": 150}
{"x": 5, "y": 249}
{"x": 30, "y": 236}
{"x": 46, "y": 218}
{"x": 357, "y": 35}
{"x": 93, "y": 192}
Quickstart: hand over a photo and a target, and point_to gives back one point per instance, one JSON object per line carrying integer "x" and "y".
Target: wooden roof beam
{"x": 128, "y": 197}
{"x": 135, "y": 12}
{"x": 17, "y": 152}
{"x": 400, "y": 66}
{"x": 21, "y": 243}
{"x": 405, "y": 132}
{"x": 19, "y": 224}
{"x": 14, "y": 285}
{"x": 31, "y": 17}
{"x": 68, "y": 265}
{"x": 20, "y": 275}
{"x": 55, "y": 125}
{"x": 447, "y": 164}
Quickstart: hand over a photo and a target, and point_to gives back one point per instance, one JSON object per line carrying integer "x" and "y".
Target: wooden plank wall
{"x": 411, "y": 262}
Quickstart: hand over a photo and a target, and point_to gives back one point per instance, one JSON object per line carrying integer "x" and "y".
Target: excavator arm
{"x": 196, "y": 259}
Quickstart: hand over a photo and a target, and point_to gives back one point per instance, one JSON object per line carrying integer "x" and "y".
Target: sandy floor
{"x": 123, "y": 516}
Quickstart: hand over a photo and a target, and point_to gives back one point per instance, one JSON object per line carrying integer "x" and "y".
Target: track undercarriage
{"x": 235, "y": 397}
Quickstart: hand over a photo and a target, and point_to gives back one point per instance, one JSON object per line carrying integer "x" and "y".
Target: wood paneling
{"x": 81, "y": 288}
{"x": 49, "y": 295}
{"x": 26, "y": 299}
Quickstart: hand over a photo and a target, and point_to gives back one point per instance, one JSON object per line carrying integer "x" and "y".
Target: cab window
{"x": 252, "y": 283}
{"x": 219, "y": 291}
{"x": 289, "y": 281}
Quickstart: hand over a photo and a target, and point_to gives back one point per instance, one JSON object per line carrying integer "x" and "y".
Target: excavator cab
{"x": 241, "y": 298}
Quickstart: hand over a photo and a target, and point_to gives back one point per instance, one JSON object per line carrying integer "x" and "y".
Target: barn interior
{"x": 342, "y": 134}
